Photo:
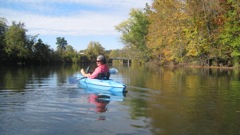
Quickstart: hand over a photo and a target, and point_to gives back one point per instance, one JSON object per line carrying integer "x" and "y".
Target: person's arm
{"x": 95, "y": 73}
{"x": 84, "y": 74}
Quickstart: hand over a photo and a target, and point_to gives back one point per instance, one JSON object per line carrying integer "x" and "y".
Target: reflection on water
{"x": 162, "y": 100}
{"x": 100, "y": 101}
{"x": 188, "y": 101}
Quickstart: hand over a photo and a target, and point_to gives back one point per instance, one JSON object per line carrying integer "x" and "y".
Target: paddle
{"x": 113, "y": 71}
{"x": 75, "y": 79}
{"x": 88, "y": 69}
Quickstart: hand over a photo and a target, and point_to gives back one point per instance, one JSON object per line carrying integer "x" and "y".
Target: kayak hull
{"x": 98, "y": 84}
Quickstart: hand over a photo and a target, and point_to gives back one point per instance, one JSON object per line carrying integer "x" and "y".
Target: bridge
{"x": 124, "y": 60}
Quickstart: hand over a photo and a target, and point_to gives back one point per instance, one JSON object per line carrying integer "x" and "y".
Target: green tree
{"x": 134, "y": 32}
{"x": 70, "y": 54}
{"x": 61, "y": 45}
{"x": 42, "y": 52}
{"x": 93, "y": 50}
{"x": 3, "y": 29}
{"x": 231, "y": 30}
{"x": 115, "y": 53}
{"x": 16, "y": 41}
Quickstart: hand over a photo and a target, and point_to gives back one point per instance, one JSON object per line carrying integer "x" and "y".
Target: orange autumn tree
{"x": 187, "y": 31}
{"x": 165, "y": 36}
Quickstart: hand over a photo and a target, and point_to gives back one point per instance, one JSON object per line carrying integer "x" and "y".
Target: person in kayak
{"x": 101, "y": 72}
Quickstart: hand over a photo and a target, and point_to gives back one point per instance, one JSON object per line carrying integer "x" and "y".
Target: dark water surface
{"x": 160, "y": 101}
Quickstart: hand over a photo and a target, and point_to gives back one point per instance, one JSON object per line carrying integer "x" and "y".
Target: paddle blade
{"x": 73, "y": 80}
{"x": 113, "y": 71}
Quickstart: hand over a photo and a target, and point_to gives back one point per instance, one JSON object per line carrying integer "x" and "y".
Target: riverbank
{"x": 154, "y": 64}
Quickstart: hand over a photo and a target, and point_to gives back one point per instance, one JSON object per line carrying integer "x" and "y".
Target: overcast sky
{"x": 78, "y": 21}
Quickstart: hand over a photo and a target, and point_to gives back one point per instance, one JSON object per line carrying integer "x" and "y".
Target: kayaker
{"x": 101, "y": 72}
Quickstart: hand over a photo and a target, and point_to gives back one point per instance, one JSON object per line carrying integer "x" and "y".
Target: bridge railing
{"x": 125, "y": 60}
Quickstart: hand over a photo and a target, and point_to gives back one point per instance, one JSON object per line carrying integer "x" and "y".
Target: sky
{"x": 78, "y": 21}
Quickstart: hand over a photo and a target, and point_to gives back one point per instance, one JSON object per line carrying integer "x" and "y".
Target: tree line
{"x": 16, "y": 47}
{"x": 201, "y": 32}
{"x": 176, "y": 32}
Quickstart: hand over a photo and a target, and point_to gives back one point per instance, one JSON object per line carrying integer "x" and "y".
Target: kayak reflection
{"x": 102, "y": 98}
{"x": 107, "y": 95}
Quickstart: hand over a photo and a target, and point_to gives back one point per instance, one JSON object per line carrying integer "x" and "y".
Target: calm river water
{"x": 160, "y": 101}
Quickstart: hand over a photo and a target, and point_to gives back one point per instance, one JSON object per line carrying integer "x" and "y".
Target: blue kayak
{"x": 101, "y": 84}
